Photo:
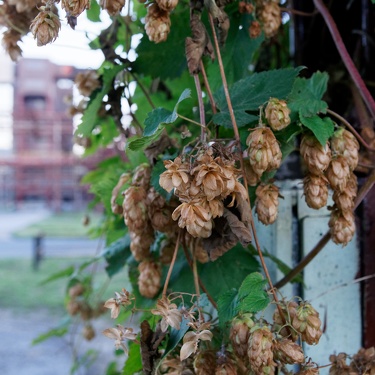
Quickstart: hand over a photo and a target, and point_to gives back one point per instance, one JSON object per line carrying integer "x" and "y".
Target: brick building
{"x": 41, "y": 166}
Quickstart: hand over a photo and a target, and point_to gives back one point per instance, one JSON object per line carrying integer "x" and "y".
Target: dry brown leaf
{"x": 238, "y": 228}
{"x": 223, "y": 25}
{"x": 221, "y": 19}
{"x": 243, "y": 207}
{"x": 198, "y": 45}
{"x": 227, "y": 231}
{"x": 221, "y": 240}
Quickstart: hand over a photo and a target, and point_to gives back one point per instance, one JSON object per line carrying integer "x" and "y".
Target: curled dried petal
{"x": 171, "y": 316}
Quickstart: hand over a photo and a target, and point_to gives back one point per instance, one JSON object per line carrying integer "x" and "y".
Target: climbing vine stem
{"x": 171, "y": 265}
{"x": 237, "y": 137}
{"x": 368, "y": 185}
{"x": 347, "y": 60}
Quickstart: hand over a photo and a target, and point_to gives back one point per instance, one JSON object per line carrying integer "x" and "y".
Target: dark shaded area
{"x": 368, "y": 268}
{"x": 315, "y": 49}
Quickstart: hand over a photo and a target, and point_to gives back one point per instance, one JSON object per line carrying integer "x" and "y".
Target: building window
{"x": 35, "y": 102}
{"x": 67, "y": 142}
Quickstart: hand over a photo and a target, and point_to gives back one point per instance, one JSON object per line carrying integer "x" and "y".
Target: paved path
{"x": 51, "y": 357}
{"x": 15, "y": 220}
{"x": 54, "y": 356}
{"x": 51, "y": 247}
{"x": 11, "y": 247}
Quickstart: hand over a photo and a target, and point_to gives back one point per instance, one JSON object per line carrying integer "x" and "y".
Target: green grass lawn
{"x": 66, "y": 224}
{"x": 20, "y": 287}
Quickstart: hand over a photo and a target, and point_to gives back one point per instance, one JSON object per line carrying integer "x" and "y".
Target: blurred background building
{"x": 37, "y": 163}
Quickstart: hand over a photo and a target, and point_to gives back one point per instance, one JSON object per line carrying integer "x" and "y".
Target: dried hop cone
{"x": 352, "y": 185}
{"x": 264, "y": 150}
{"x": 112, "y": 6}
{"x": 76, "y": 290}
{"x": 10, "y": 44}
{"x": 45, "y": 26}
{"x": 240, "y": 333}
{"x": 173, "y": 365}
{"x": 307, "y": 323}
{"x": 345, "y": 144}
{"x": 209, "y": 176}
{"x": 316, "y": 157}
{"x": 88, "y": 332}
{"x": 339, "y": 365}
{"x": 270, "y": 16}
{"x": 315, "y": 189}
{"x": 251, "y": 177}
{"x": 255, "y": 29}
{"x": 160, "y": 213}
{"x": 260, "y": 351}
{"x": 149, "y": 278}
{"x": 177, "y": 175}
{"x": 289, "y": 310}
{"x": 344, "y": 200}
{"x": 158, "y": 23}
{"x": 308, "y": 370}
{"x": 277, "y": 114}
{"x": 73, "y": 307}
{"x": 75, "y": 7}
{"x": 205, "y": 362}
{"x": 141, "y": 243}
{"x": 23, "y": 5}
{"x": 135, "y": 208}
{"x": 226, "y": 365}
{"x": 194, "y": 217}
{"x": 142, "y": 176}
{"x": 87, "y": 82}
{"x": 167, "y": 5}
{"x": 363, "y": 362}
{"x": 342, "y": 226}
{"x": 86, "y": 311}
{"x": 338, "y": 173}
{"x": 245, "y": 7}
{"x": 288, "y": 352}
{"x": 267, "y": 203}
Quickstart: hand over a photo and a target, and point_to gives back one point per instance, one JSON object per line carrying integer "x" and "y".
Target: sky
{"x": 70, "y": 48}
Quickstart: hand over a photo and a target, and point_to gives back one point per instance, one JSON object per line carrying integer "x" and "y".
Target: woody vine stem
{"x": 370, "y": 104}
{"x": 237, "y": 136}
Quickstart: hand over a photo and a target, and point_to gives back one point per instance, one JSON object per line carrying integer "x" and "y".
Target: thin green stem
{"x": 208, "y": 88}
{"x": 192, "y": 121}
{"x": 343, "y": 285}
{"x": 171, "y": 265}
{"x": 349, "y": 126}
{"x": 202, "y": 116}
{"x": 195, "y": 274}
{"x": 145, "y": 92}
{"x": 323, "y": 366}
{"x": 202, "y": 286}
{"x": 325, "y": 239}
